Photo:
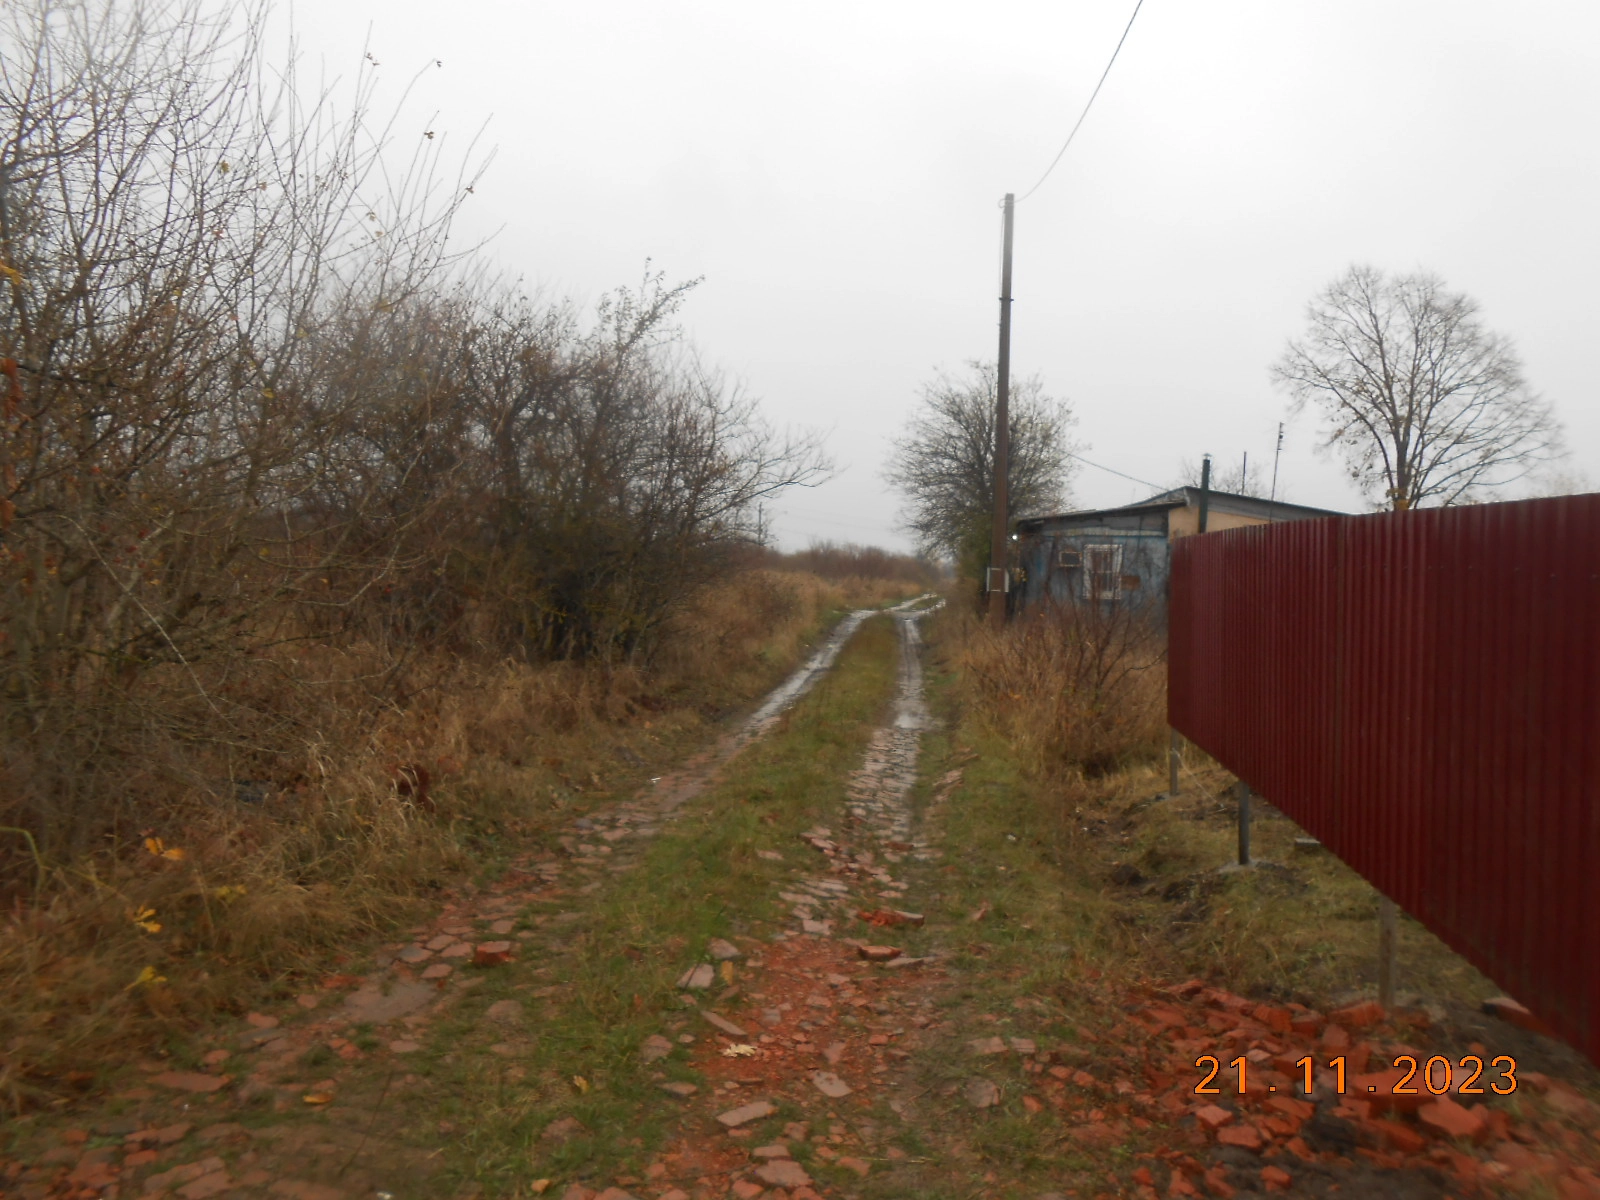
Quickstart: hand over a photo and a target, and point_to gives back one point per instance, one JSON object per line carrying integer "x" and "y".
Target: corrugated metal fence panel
{"x": 1421, "y": 691}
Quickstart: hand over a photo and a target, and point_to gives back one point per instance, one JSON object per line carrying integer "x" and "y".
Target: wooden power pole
{"x": 999, "y": 549}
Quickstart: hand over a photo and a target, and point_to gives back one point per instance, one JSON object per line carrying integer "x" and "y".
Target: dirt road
{"x": 826, "y": 958}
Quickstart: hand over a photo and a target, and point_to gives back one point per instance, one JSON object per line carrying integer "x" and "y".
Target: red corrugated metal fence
{"x": 1421, "y": 691}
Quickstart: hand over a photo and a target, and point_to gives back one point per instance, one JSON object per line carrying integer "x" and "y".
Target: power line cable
{"x": 1084, "y": 114}
{"x": 1113, "y": 471}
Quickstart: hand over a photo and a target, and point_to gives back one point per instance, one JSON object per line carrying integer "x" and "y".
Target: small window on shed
{"x": 1069, "y": 558}
{"x": 1102, "y": 572}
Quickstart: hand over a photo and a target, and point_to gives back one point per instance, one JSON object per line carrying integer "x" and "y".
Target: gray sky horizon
{"x": 834, "y": 172}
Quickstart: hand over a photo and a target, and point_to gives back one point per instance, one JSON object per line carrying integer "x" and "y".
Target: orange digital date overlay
{"x": 1436, "y": 1076}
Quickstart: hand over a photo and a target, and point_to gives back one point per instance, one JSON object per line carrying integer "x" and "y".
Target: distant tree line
{"x": 832, "y": 560}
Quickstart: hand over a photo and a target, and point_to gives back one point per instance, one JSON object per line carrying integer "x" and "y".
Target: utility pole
{"x": 999, "y": 549}
{"x": 1205, "y": 490}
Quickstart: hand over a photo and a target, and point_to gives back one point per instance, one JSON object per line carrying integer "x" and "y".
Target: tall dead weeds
{"x": 1074, "y": 689}
{"x": 255, "y": 866}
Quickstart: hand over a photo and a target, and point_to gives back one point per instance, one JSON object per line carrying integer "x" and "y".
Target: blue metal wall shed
{"x": 1122, "y": 555}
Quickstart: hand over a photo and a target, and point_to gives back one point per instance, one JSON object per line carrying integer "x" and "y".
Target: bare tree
{"x": 1424, "y": 404}
{"x": 944, "y": 462}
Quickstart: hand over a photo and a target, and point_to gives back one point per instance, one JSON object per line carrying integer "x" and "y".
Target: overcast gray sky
{"x": 834, "y": 171}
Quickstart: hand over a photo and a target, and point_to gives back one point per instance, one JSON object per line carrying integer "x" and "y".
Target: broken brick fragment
{"x": 1397, "y": 1136}
{"x": 1300, "y": 1110}
{"x": 1276, "y": 1179}
{"x": 1297, "y": 1147}
{"x": 1180, "y": 1186}
{"x": 1377, "y": 1090}
{"x": 785, "y": 1172}
{"x": 1360, "y": 1016}
{"x": 1512, "y": 1013}
{"x": 1246, "y": 1137}
{"x": 746, "y": 1113}
{"x": 1306, "y": 1022}
{"x": 492, "y": 954}
{"x": 886, "y": 918}
{"x": 878, "y": 953}
{"x": 1449, "y": 1119}
{"x": 1277, "y": 1019}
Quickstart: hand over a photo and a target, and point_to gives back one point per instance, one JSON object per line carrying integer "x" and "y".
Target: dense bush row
{"x": 251, "y": 398}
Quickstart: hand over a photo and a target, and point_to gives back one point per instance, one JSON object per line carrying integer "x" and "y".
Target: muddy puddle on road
{"x": 671, "y": 790}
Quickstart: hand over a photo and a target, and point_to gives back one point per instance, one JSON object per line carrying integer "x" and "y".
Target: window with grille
{"x": 1102, "y": 572}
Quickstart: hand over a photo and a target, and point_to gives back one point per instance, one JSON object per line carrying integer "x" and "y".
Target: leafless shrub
{"x": 1074, "y": 687}
{"x": 619, "y": 473}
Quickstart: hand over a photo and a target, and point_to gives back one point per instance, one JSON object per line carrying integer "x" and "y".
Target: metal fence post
{"x": 1174, "y": 760}
{"x": 1243, "y": 789}
{"x": 1388, "y": 914}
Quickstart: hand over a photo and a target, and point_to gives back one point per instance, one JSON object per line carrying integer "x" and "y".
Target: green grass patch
{"x": 611, "y": 973}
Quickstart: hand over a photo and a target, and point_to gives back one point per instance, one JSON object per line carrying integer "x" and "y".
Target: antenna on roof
{"x": 1275, "y": 456}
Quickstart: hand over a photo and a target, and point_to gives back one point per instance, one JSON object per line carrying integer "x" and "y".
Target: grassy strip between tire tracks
{"x": 613, "y": 974}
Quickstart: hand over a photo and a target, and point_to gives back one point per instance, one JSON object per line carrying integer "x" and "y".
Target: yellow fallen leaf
{"x": 318, "y": 1098}
{"x": 147, "y": 978}
{"x": 739, "y": 1050}
{"x": 727, "y": 972}
{"x": 539, "y": 1187}
{"x": 142, "y": 918}
{"x": 579, "y": 1082}
{"x": 159, "y": 848}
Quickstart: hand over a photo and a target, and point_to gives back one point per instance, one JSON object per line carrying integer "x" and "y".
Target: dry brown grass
{"x": 1072, "y": 689}
{"x": 1063, "y": 720}
{"x": 308, "y": 832}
